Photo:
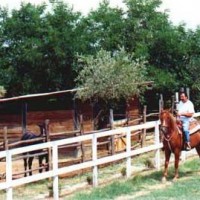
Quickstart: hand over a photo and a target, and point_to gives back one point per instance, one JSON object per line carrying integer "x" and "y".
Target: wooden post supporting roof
{"x": 24, "y": 117}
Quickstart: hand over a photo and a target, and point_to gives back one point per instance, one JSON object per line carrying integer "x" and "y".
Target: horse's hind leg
{"x": 47, "y": 162}
{"x": 40, "y": 158}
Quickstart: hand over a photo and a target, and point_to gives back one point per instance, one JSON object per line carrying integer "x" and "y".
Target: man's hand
{"x": 185, "y": 114}
{"x": 175, "y": 113}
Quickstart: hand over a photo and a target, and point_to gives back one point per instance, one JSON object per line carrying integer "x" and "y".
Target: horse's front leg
{"x": 30, "y": 161}
{"x": 167, "y": 158}
{"x": 176, "y": 165}
{"x": 40, "y": 158}
{"x": 25, "y": 166}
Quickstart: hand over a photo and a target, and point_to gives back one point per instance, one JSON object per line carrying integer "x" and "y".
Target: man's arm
{"x": 185, "y": 114}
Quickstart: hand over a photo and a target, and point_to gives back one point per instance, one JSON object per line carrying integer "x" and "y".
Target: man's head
{"x": 183, "y": 97}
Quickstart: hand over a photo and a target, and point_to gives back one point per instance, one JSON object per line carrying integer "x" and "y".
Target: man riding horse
{"x": 185, "y": 113}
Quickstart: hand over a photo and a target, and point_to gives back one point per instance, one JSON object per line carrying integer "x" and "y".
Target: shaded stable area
{"x": 65, "y": 118}
{"x": 62, "y": 110}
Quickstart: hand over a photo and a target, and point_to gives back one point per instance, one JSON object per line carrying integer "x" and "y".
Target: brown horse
{"x": 173, "y": 141}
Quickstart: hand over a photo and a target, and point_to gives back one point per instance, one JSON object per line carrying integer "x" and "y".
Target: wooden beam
{"x": 39, "y": 95}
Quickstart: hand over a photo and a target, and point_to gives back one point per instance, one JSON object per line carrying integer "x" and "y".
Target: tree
{"x": 38, "y": 48}
{"x": 2, "y": 91}
{"x": 111, "y": 76}
{"x": 102, "y": 29}
{"x": 21, "y": 43}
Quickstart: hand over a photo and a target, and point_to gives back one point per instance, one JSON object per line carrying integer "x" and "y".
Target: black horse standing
{"x": 29, "y": 156}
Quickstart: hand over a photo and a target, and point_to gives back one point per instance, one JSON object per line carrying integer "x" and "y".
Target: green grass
{"x": 183, "y": 190}
{"x": 187, "y": 187}
{"x": 188, "y": 182}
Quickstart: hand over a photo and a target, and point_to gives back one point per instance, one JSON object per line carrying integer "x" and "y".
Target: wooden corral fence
{"x": 62, "y": 129}
{"x": 130, "y": 120}
{"x": 55, "y": 171}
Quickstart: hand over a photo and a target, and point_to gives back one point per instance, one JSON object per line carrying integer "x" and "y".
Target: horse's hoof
{"x": 164, "y": 180}
{"x": 175, "y": 179}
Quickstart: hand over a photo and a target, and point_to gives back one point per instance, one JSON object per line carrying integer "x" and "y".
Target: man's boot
{"x": 187, "y": 146}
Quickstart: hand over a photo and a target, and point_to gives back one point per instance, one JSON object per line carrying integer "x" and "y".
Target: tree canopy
{"x": 39, "y": 47}
{"x": 111, "y": 76}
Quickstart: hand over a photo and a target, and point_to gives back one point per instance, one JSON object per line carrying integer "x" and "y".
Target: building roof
{"x": 24, "y": 97}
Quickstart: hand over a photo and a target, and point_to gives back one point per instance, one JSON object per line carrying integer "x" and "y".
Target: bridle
{"x": 164, "y": 129}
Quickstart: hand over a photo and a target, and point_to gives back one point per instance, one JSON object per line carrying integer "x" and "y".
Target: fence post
{"x": 128, "y": 151}
{"x": 5, "y": 135}
{"x": 48, "y": 140}
{"x": 161, "y": 103}
{"x": 143, "y": 141}
{"x": 173, "y": 104}
{"x": 82, "y": 143}
{"x": 112, "y": 141}
{"x": 94, "y": 158}
{"x": 157, "y": 142}
{"x": 188, "y": 92}
{"x": 55, "y": 172}
{"x": 176, "y": 100}
{"x": 9, "y": 189}
{"x": 24, "y": 117}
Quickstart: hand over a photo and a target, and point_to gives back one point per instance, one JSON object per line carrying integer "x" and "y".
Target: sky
{"x": 180, "y": 11}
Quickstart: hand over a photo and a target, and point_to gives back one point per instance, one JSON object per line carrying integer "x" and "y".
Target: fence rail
{"x": 9, "y": 183}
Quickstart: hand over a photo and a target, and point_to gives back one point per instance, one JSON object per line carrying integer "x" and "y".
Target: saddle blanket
{"x": 195, "y": 129}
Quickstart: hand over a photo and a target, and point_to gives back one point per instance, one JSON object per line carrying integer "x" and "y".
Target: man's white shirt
{"x": 185, "y": 107}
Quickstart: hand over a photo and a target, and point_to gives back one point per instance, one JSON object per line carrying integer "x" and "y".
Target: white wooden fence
{"x": 9, "y": 184}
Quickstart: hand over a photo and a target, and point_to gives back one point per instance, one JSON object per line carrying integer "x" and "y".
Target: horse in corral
{"x": 29, "y": 156}
{"x": 173, "y": 141}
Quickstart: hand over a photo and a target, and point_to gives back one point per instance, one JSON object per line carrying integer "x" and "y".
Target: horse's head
{"x": 167, "y": 122}
{"x": 42, "y": 129}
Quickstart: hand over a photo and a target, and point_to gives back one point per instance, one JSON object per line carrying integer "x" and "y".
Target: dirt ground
{"x": 17, "y": 168}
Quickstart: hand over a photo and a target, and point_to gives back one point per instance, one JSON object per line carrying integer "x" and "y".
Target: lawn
{"x": 149, "y": 187}
{"x": 145, "y": 184}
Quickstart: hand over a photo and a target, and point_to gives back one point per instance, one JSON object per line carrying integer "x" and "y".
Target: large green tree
{"x": 102, "y": 28}
{"x": 38, "y": 48}
{"x": 111, "y": 76}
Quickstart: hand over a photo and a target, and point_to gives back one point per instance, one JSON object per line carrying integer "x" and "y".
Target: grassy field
{"x": 39, "y": 190}
{"x": 144, "y": 185}
{"x": 149, "y": 187}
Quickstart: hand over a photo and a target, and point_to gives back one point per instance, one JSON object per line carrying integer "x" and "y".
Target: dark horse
{"x": 173, "y": 141}
{"x": 29, "y": 156}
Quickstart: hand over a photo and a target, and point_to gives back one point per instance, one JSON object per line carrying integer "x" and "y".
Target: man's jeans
{"x": 186, "y": 132}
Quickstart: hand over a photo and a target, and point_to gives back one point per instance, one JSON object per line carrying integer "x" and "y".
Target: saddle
{"x": 194, "y": 126}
